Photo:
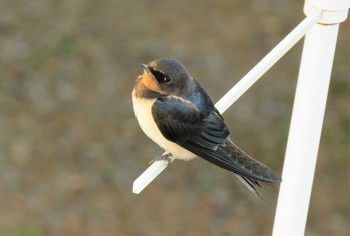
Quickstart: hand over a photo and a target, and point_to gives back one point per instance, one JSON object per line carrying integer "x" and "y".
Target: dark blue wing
{"x": 178, "y": 120}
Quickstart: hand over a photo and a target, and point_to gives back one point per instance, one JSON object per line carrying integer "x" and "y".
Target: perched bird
{"x": 177, "y": 114}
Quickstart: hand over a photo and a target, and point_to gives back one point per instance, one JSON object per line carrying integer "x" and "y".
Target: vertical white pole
{"x": 305, "y": 130}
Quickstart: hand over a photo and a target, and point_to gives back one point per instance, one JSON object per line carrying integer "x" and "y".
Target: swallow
{"x": 175, "y": 112}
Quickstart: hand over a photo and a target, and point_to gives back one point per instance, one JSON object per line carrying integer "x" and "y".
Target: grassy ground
{"x": 70, "y": 146}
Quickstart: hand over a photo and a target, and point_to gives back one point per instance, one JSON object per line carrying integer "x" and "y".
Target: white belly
{"x": 143, "y": 113}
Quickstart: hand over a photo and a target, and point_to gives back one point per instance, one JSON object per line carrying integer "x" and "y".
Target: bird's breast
{"x": 143, "y": 112}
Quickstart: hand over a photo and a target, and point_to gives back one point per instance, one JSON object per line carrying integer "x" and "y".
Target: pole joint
{"x": 333, "y": 12}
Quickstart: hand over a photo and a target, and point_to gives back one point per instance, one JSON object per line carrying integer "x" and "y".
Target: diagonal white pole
{"x": 267, "y": 62}
{"x": 306, "y": 125}
{"x": 242, "y": 86}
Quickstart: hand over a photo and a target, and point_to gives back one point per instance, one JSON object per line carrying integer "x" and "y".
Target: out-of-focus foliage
{"x": 70, "y": 146}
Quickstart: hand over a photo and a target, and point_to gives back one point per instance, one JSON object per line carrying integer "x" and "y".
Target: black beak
{"x": 146, "y": 68}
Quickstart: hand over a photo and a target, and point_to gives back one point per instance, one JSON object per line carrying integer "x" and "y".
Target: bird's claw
{"x": 163, "y": 157}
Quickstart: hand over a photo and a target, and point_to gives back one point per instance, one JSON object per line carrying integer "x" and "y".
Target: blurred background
{"x": 70, "y": 146}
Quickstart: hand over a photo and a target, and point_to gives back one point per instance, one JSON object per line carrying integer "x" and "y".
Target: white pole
{"x": 305, "y": 130}
{"x": 148, "y": 175}
{"x": 267, "y": 62}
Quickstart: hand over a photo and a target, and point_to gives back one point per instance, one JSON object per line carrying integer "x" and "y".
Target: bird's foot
{"x": 164, "y": 157}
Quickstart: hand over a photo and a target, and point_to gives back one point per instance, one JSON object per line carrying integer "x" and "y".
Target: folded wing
{"x": 206, "y": 135}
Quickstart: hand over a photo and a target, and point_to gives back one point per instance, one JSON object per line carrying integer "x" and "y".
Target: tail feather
{"x": 251, "y": 185}
{"x": 228, "y": 156}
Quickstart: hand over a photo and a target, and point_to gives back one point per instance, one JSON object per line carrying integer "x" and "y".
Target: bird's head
{"x": 166, "y": 76}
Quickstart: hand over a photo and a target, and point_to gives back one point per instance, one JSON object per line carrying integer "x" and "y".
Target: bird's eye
{"x": 165, "y": 79}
